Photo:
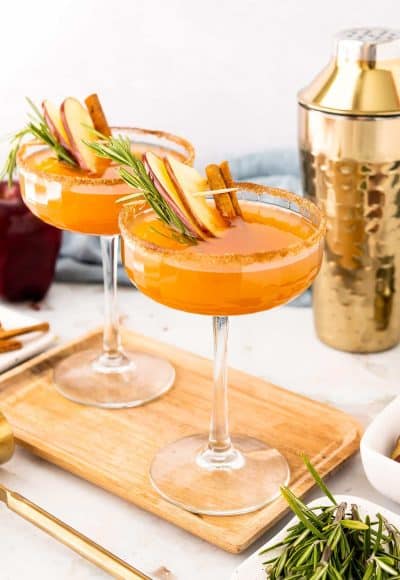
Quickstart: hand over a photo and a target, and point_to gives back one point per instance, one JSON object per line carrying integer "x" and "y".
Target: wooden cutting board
{"x": 113, "y": 448}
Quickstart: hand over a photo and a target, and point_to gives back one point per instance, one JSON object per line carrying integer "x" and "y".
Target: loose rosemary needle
{"x": 334, "y": 542}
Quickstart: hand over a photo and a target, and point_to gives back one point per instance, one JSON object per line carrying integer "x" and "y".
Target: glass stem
{"x": 112, "y": 349}
{"x": 219, "y": 442}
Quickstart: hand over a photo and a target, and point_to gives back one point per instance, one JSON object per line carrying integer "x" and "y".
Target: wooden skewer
{"x": 41, "y": 327}
{"x": 215, "y": 191}
{"x": 136, "y": 193}
{"x": 140, "y": 198}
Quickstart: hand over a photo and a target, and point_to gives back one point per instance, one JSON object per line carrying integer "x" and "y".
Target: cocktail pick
{"x": 55, "y": 527}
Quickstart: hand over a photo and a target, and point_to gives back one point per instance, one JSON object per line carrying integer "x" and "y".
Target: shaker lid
{"x": 362, "y": 77}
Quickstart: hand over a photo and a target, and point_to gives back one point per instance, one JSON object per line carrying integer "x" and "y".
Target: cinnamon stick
{"x": 9, "y": 345}
{"x": 223, "y": 201}
{"x": 227, "y": 177}
{"x": 97, "y": 115}
{"x": 40, "y": 327}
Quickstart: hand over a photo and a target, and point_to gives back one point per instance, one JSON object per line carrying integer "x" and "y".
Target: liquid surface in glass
{"x": 262, "y": 261}
{"x": 80, "y": 201}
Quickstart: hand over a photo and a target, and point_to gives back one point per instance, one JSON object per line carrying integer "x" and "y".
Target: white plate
{"x": 252, "y": 569}
{"x": 32, "y": 343}
{"x": 376, "y": 447}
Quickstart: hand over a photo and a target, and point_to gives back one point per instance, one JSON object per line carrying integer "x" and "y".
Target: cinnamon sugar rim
{"x": 127, "y": 213}
{"x": 23, "y": 164}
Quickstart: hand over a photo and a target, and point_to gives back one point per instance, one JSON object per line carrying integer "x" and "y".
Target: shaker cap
{"x": 362, "y": 77}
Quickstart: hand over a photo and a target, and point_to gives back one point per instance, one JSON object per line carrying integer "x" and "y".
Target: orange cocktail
{"x": 73, "y": 199}
{"x": 79, "y": 200}
{"x": 269, "y": 253}
{"x": 264, "y": 260}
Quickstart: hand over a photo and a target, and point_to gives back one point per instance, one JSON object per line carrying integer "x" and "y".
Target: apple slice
{"x": 187, "y": 182}
{"x": 157, "y": 172}
{"x": 52, "y": 117}
{"x": 77, "y": 124}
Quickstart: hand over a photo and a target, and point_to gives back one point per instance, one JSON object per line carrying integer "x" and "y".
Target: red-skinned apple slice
{"x": 78, "y": 124}
{"x": 52, "y": 117}
{"x": 187, "y": 182}
{"x": 157, "y": 172}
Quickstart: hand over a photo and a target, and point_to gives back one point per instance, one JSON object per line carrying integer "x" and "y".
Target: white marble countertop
{"x": 279, "y": 345}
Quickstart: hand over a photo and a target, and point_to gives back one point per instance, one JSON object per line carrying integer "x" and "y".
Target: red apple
{"x": 28, "y": 248}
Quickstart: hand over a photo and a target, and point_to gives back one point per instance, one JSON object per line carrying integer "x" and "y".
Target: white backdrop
{"x": 223, "y": 73}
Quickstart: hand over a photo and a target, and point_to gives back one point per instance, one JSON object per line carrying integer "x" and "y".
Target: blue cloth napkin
{"x": 80, "y": 257}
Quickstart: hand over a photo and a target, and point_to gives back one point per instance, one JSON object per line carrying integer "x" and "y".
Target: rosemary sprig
{"x": 334, "y": 543}
{"x": 133, "y": 172}
{"x": 38, "y": 128}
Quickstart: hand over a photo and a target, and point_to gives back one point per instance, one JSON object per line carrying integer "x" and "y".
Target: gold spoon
{"x": 56, "y": 528}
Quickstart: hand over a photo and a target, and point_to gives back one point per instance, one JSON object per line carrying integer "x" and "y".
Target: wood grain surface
{"x": 114, "y": 448}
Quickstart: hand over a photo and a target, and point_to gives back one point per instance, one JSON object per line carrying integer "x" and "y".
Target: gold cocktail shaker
{"x": 349, "y": 129}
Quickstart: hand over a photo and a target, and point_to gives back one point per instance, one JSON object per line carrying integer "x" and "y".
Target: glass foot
{"x": 128, "y": 380}
{"x": 240, "y": 480}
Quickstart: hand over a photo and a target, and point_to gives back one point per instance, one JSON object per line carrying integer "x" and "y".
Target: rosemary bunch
{"x": 38, "y": 128}
{"x": 133, "y": 172}
{"x": 334, "y": 543}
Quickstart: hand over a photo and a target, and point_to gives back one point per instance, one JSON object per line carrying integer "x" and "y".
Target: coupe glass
{"x": 220, "y": 474}
{"x": 73, "y": 200}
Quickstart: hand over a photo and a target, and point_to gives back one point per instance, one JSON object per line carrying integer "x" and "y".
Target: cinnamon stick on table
{"x": 9, "y": 345}
{"x": 40, "y": 327}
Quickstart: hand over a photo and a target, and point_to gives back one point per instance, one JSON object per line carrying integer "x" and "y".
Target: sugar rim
{"x": 128, "y": 213}
{"x": 24, "y": 165}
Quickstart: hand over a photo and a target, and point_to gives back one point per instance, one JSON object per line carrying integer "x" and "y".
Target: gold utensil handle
{"x": 70, "y": 537}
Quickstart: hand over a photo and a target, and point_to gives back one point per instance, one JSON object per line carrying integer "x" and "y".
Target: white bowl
{"x": 376, "y": 447}
{"x": 252, "y": 568}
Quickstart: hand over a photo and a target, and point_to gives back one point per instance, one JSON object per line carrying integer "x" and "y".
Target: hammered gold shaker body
{"x": 349, "y": 129}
